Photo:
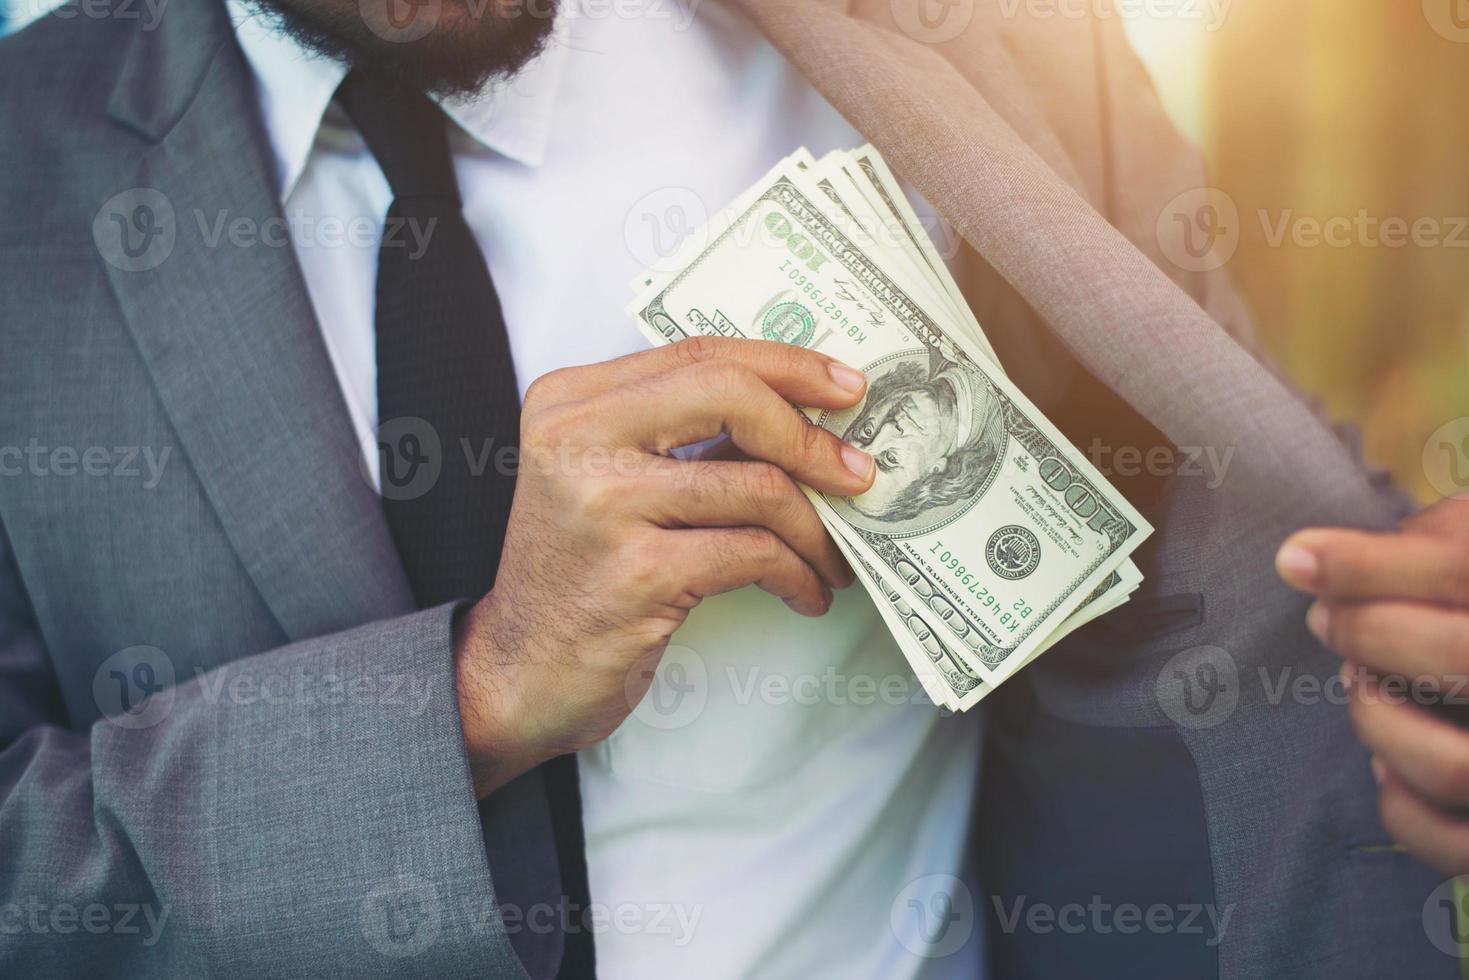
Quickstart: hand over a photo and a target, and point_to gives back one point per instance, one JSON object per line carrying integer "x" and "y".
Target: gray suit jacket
{"x": 294, "y": 799}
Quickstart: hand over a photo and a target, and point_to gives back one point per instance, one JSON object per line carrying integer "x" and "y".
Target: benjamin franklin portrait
{"x": 936, "y": 434}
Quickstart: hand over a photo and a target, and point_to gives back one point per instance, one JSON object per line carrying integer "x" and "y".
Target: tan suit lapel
{"x": 1000, "y": 176}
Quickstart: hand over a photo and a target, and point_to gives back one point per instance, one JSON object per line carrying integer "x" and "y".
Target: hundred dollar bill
{"x": 941, "y": 672}
{"x": 865, "y": 172}
{"x": 861, "y": 185}
{"x": 982, "y": 515}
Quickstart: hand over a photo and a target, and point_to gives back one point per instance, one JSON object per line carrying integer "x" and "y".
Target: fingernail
{"x": 1317, "y": 620}
{"x": 1379, "y": 771}
{"x": 857, "y": 461}
{"x": 1348, "y": 675}
{"x": 848, "y": 378}
{"x": 1297, "y": 565}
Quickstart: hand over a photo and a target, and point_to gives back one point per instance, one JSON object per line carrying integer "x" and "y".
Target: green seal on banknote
{"x": 789, "y": 323}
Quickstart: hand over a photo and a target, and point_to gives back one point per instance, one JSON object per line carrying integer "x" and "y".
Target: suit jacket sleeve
{"x": 279, "y": 835}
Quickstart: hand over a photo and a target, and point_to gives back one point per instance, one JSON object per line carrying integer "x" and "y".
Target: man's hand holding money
{"x": 612, "y": 541}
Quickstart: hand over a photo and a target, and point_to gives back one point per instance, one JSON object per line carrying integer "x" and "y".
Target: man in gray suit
{"x": 359, "y": 726}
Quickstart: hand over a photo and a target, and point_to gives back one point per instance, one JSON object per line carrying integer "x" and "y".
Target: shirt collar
{"x": 511, "y": 117}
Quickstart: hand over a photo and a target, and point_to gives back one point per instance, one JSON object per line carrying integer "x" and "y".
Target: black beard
{"x": 443, "y": 47}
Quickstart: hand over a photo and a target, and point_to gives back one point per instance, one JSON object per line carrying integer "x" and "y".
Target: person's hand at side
{"x": 1396, "y": 606}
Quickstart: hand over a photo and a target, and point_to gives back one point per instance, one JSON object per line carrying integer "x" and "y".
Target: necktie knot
{"x": 406, "y": 133}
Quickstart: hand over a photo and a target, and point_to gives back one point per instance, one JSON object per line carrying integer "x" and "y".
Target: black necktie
{"x": 445, "y": 373}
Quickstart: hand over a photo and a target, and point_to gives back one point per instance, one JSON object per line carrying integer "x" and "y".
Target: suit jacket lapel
{"x": 1122, "y": 318}
{"x": 231, "y": 342}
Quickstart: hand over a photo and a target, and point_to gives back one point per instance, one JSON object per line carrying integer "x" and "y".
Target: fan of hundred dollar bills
{"x": 986, "y": 537}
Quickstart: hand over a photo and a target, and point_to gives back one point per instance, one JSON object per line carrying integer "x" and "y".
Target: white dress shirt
{"x": 784, "y": 803}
